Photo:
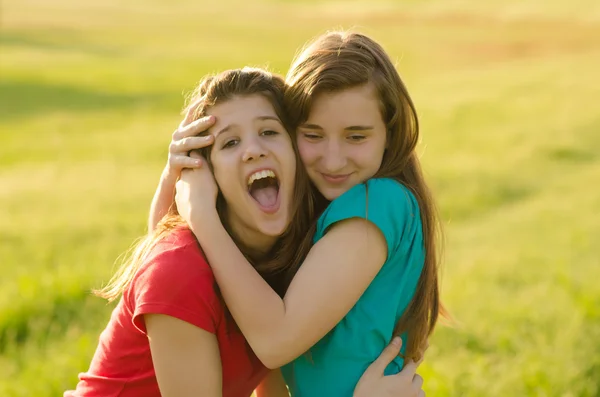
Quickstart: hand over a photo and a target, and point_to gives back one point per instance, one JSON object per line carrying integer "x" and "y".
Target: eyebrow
{"x": 260, "y": 118}
{"x": 359, "y": 128}
{"x": 349, "y": 128}
{"x": 268, "y": 118}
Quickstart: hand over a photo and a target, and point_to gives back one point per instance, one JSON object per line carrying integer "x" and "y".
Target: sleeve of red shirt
{"x": 176, "y": 281}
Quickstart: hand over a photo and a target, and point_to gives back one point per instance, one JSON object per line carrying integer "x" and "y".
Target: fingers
{"x": 417, "y": 382}
{"x": 193, "y": 128}
{"x": 195, "y": 155}
{"x": 191, "y": 110}
{"x": 186, "y": 145}
{"x": 183, "y": 162}
{"x": 187, "y": 175}
{"x": 410, "y": 369}
{"x": 388, "y": 354}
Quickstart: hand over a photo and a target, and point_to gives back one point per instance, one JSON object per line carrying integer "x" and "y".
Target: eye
{"x": 311, "y": 136}
{"x": 269, "y": 132}
{"x": 230, "y": 143}
{"x": 356, "y": 138}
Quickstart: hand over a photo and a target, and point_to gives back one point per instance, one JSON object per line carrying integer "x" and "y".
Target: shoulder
{"x": 376, "y": 196}
{"x": 174, "y": 263}
{"x": 387, "y": 186}
{"x": 386, "y": 191}
{"x": 174, "y": 279}
{"x": 386, "y": 203}
{"x": 178, "y": 252}
{"x": 392, "y": 197}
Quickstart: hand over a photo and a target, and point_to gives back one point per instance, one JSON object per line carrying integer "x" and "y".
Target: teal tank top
{"x": 333, "y": 366}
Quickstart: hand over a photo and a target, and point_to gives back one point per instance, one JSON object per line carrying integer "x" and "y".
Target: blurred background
{"x": 508, "y": 96}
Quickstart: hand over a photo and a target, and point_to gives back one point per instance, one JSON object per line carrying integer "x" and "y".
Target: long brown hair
{"x": 213, "y": 90}
{"x": 337, "y": 61}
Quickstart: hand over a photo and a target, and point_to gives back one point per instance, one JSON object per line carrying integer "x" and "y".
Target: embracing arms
{"x": 336, "y": 272}
{"x": 187, "y": 363}
{"x": 278, "y": 330}
{"x": 373, "y": 383}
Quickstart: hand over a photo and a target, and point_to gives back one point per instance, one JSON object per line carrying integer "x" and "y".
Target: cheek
{"x": 221, "y": 182}
{"x": 224, "y": 179}
{"x": 231, "y": 191}
{"x": 287, "y": 157}
{"x": 369, "y": 158}
{"x": 309, "y": 152}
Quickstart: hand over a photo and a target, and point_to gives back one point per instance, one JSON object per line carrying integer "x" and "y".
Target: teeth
{"x": 260, "y": 175}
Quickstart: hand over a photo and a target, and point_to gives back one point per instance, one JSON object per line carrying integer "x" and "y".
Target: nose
{"x": 334, "y": 159}
{"x": 254, "y": 150}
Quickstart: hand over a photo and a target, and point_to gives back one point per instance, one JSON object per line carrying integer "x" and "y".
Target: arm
{"x": 273, "y": 386}
{"x": 183, "y": 141}
{"x": 163, "y": 198}
{"x": 186, "y": 358}
{"x": 348, "y": 257}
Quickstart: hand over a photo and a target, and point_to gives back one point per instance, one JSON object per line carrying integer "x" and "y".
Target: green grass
{"x": 507, "y": 93}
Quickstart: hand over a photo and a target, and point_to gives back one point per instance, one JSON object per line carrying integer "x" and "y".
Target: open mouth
{"x": 263, "y": 186}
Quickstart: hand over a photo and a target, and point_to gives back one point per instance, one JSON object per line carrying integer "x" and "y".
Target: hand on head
{"x": 196, "y": 191}
{"x": 185, "y": 139}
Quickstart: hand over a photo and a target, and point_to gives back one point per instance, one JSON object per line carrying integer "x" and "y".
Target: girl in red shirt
{"x": 170, "y": 333}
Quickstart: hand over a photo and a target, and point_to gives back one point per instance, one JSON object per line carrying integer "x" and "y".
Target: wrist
{"x": 169, "y": 174}
{"x": 204, "y": 220}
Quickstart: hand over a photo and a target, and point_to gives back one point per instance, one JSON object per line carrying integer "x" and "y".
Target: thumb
{"x": 409, "y": 370}
{"x": 388, "y": 354}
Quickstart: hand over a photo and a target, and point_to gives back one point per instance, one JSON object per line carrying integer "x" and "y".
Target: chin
{"x": 274, "y": 228}
{"x": 331, "y": 194}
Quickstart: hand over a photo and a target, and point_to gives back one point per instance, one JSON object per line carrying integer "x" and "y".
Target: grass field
{"x": 508, "y": 98}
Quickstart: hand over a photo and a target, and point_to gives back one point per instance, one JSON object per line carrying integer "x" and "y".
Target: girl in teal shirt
{"x": 372, "y": 272}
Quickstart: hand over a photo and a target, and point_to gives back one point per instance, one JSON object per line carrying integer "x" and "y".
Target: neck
{"x": 257, "y": 242}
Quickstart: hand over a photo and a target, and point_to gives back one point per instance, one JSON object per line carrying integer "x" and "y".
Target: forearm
{"x": 279, "y": 330}
{"x": 257, "y": 309}
{"x": 163, "y": 198}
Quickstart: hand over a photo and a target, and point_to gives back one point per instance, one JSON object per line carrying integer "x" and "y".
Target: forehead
{"x": 240, "y": 110}
{"x": 350, "y": 106}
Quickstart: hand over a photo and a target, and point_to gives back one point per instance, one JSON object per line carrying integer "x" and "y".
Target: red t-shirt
{"x": 177, "y": 281}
